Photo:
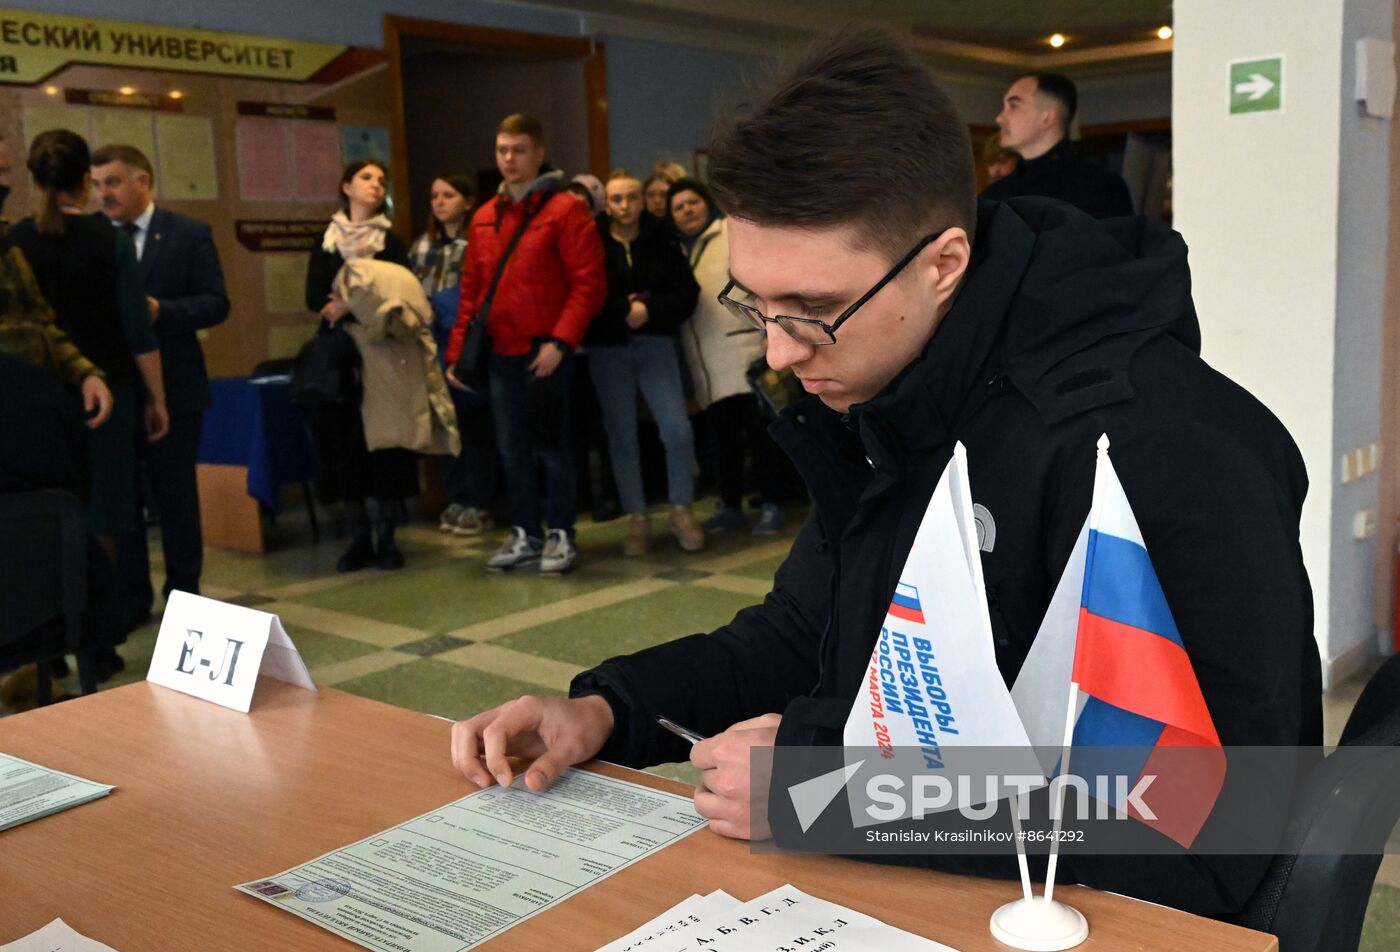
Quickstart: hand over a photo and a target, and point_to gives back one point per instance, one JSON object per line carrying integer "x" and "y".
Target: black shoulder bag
{"x": 471, "y": 366}
{"x": 326, "y": 372}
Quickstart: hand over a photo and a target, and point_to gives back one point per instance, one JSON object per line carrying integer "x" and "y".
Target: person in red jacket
{"x": 552, "y": 285}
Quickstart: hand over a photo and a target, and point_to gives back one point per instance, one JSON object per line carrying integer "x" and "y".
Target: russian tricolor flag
{"x": 905, "y": 604}
{"x": 1137, "y": 690}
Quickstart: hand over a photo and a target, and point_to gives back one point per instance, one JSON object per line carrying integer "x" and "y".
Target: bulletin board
{"x": 222, "y": 166}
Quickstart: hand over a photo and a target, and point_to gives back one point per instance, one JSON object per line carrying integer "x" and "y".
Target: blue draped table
{"x": 251, "y": 422}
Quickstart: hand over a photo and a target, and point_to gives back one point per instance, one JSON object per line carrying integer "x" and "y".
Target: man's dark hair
{"x": 1061, "y": 89}
{"x": 128, "y": 155}
{"x": 520, "y": 124}
{"x": 858, "y": 133}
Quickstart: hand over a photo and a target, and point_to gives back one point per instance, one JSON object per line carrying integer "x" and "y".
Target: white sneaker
{"x": 447, "y": 522}
{"x": 519, "y": 549}
{"x": 559, "y": 553}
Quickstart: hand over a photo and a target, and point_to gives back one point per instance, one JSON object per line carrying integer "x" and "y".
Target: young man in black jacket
{"x": 916, "y": 318}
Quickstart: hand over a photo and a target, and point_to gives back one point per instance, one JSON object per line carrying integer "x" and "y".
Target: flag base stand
{"x": 1039, "y": 926}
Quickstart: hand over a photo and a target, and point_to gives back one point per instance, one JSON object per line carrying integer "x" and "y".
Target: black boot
{"x": 386, "y": 552}
{"x": 361, "y": 551}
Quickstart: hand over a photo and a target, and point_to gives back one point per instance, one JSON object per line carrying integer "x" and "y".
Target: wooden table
{"x": 207, "y": 797}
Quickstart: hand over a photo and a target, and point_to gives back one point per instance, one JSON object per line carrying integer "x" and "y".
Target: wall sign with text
{"x": 34, "y": 46}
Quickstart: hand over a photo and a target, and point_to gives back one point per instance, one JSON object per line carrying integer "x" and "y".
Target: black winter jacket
{"x": 1061, "y": 173}
{"x": 655, "y": 269}
{"x": 1066, "y": 328}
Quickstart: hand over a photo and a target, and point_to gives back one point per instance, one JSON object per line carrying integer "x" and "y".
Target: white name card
{"x": 215, "y": 651}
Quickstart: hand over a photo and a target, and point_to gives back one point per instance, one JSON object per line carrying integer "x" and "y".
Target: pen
{"x": 684, "y": 733}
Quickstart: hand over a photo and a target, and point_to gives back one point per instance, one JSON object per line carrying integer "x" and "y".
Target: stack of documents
{"x": 28, "y": 791}
{"x": 785, "y": 918}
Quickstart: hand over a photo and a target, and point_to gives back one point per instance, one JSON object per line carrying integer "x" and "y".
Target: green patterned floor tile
{"x": 1382, "y": 930}
{"x": 434, "y": 687}
{"x": 589, "y": 637}
{"x": 604, "y": 540}
{"x": 254, "y": 573}
{"x": 451, "y": 594}
{"x": 318, "y": 648}
{"x": 763, "y": 570}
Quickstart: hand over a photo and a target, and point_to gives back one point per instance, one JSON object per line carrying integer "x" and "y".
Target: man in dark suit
{"x": 185, "y": 293}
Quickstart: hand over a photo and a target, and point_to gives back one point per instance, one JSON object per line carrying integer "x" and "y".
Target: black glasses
{"x": 809, "y": 330}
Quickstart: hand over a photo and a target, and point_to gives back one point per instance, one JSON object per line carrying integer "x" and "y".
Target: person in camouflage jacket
{"x": 29, "y": 331}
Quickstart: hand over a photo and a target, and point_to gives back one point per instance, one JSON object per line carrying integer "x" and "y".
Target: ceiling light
{"x": 127, "y": 91}
{"x": 1164, "y": 33}
{"x": 1057, "y": 40}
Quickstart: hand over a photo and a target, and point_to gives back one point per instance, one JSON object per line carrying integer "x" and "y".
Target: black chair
{"x": 275, "y": 367}
{"x": 44, "y": 566}
{"x": 1313, "y": 900}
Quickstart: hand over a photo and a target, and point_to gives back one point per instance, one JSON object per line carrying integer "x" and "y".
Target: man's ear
{"x": 944, "y": 262}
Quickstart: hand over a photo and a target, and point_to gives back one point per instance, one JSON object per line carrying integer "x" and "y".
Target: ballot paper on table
{"x": 783, "y": 919}
{"x": 57, "y": 936}
{"x": 464, "y": 873}
{"x": 29, "y": 791}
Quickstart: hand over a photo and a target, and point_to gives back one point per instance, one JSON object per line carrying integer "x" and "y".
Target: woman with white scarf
{"x": 347, "y": 469}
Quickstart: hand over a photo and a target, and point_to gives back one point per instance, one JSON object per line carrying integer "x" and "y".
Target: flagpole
{"x": 1072, "y": 706}
{"x": 1021, "y": 847}
{"x": 1066, "y": 746}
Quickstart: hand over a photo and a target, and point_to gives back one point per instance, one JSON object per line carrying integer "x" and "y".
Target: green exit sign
{"x": 1256, "y": 85}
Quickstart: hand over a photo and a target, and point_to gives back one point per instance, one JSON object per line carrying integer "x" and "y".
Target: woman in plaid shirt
{"x": 436, "y": 258}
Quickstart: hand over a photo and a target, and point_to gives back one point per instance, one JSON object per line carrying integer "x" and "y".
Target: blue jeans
{"x": 532, "y": 417}
{"x": 647, "y": 364}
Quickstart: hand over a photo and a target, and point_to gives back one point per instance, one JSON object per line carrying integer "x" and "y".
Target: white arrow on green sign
{"x": 1256, "y": 85}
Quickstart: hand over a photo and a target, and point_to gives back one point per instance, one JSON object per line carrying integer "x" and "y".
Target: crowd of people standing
{"x": 615, "y": 282}
{"x": 549, "y": 330}
{"x": 598, "y": 303}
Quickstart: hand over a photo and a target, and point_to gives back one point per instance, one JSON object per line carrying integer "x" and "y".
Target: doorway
{"x": 452, "y": 84}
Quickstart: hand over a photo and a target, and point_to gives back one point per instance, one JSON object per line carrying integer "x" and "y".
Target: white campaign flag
{"x": 933, "y": 681}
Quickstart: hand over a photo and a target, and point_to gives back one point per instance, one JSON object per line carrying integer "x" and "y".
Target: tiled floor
{"x": 444, "y": 637}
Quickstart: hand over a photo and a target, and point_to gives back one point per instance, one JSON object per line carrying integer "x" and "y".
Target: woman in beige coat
{"x": 719, "y": 349}
{"x": 368, "y": 450}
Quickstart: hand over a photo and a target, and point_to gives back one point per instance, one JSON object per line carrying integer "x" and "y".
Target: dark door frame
{"x": 396, "y": 28}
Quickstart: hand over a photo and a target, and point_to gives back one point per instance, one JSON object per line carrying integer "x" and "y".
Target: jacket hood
{"x": 1091, "y": 294}
{"x": 1055, "y": 302}
{"x": 547, "y": 182}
